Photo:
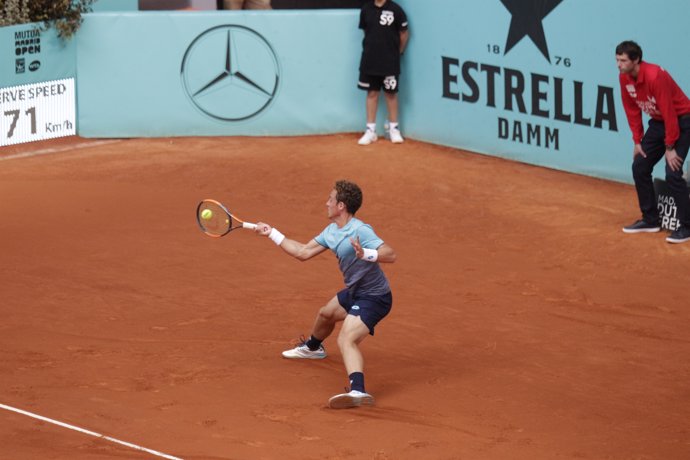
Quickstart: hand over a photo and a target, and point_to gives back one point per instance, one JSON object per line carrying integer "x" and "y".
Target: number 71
{"x": 15, "y": 117}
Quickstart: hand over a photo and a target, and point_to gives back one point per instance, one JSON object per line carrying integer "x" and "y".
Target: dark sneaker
{"x": 642, "y": 226}
{"x": 679, "y": 236}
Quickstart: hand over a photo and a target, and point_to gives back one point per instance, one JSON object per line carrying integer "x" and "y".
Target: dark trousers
{"x": 654, "y": 146}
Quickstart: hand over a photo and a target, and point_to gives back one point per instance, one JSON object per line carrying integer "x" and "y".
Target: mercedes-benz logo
{"x": 230, "y": 73}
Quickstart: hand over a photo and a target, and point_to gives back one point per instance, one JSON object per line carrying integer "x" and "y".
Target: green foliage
{"x": 64, "y": 15}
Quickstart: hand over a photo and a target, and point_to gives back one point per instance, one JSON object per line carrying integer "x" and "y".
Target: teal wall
{"x": 554, "y": 102}
{"x": 140, "y": 74}
{"x": 581, "y": 36}
{"x": 100, "y": 6}
{"x": 46, "y": 58}
{"x": 52, "y": 58}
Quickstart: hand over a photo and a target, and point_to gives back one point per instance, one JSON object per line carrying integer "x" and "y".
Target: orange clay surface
{"x": 525, "y": 324}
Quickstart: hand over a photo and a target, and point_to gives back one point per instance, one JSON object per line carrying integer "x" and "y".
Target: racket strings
{"x": 213, "y": 219}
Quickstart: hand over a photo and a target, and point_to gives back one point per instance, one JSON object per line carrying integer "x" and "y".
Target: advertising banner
{"x": 219, "y": 73}
{"x": 37, "y": 111}
{"x": 534, "y": 80}
{"x": 29, "y": 55}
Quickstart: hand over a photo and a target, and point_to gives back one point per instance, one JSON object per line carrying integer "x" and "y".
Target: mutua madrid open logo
{"x": 230, "y": 73}
{"x": 27, "y": 42}
{"x": 527, "y": 92}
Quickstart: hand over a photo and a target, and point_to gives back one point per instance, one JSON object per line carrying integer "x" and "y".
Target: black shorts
{"x": 377, "y": 82}
{"x": 370, "y": 309}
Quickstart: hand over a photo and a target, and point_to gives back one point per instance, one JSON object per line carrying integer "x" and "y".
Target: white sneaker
{"x": 395, "y": 136}
{"x": 352, "y": 399}
{"x": 368, "y": 137}
{"x": 302, "y": 351}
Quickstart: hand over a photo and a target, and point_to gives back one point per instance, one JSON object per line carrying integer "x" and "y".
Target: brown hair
{"x": 630, "y": 48}
{"x": 350, "y": 194}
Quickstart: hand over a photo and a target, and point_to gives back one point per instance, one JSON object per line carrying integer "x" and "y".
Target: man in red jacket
{"x": 648, "y": 88}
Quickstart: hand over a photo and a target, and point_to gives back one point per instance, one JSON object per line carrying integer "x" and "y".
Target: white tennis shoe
{"x": 302, "y": 351}
{"x": 349, "y": 400}
{"x": 368, "y": 137}
{"x": 395, "y": 136}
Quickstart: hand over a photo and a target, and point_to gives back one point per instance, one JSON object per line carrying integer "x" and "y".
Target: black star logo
{"x": 527, "y": 20}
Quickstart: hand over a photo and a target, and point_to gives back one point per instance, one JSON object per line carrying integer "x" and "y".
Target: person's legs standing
{"x": 372, "y": 85}
{"x": 392, "y": 107}
{"x": 393, "y": 128}
{"x": 679, "y": 187}
{"x": 642, "y": 167}
{"x": 372, "y": 105}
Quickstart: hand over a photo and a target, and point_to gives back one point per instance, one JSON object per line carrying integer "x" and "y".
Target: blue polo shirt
{"x": 361, "y": 277}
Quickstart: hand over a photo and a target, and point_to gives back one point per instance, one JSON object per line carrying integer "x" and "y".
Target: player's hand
{"x": 674, "y": 161}
{"x": 637, "y": 150}
{"x": 263, "y": 229}
{"x": 359, "y": 252}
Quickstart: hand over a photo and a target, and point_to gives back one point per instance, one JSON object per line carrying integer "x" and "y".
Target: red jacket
{"x": 656, "y": 94}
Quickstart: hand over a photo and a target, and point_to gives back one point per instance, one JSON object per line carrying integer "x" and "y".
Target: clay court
{"x": 525, "y": 324}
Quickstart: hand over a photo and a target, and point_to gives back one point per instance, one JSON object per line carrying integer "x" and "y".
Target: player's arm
{"x": 383, "y": 253}
{"x": 296, "y": 249}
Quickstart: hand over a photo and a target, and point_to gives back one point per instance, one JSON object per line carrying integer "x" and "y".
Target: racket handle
{"x": 248, "y": 225}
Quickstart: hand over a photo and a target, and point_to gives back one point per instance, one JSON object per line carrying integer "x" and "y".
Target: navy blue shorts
{"x": 389, "y": 84}
{"x": 370, "y": 309}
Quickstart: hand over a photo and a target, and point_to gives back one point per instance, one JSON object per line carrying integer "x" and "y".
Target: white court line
{"x": 90, "y": 433}
{"x": 57, "y": 149}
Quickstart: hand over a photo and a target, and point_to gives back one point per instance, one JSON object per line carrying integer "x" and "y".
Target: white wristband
{"x": 370, "y": 255}
{"x": 276, "y": 236}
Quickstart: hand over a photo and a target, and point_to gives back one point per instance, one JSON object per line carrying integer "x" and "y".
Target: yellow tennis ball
{"x": 206, "y": 214}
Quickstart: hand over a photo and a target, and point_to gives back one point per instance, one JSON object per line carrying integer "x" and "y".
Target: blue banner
{"x": 533, "y": 80}
{"x": 219, "y": 73}
{"x": 30, "y": 55}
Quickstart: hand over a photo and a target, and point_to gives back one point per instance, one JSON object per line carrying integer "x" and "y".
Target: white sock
{"x": 392, "y": 125}
{"x": 371, "y": 127}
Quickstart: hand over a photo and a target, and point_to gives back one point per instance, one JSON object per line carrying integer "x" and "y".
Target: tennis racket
{"x": 215, "y": 220}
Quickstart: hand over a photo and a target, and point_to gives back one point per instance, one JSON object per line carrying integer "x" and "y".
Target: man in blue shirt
{"x": 366, "y": 299}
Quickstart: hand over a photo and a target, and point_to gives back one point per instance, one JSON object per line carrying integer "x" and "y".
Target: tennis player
{"x": 364, "y": 301}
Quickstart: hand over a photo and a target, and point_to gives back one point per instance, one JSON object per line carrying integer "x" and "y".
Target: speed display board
{"x": 37, "y": 111}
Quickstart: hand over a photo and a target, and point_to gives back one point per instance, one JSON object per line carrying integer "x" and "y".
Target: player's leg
{"x": 363, "y": 316}
{"x": 642, "y": 167}
{"x": 326, "y": 319}
{"x": 678, "y": 186}
{"x": 390, "y": 91}
{"x": 351, "y": 334}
